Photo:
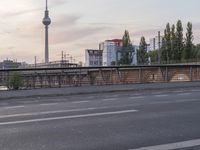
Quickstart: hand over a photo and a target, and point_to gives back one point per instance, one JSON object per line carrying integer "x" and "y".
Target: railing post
{"x": 41, "y": 81}
{"x": 49, "y": 80}
{"x": 34, "y": 80}
{"x": 7, "y": 78}
{"x": 59, "y": 81}
{"x": 111, "y": 76}
{"x": 197, "y": 73}
{"x": 80, "y": 71}
{"x": 46, "y": 79}
{"x": 140, "y": 75}
{"x": 191, "y": 73}
{"x": 166, "y": 74}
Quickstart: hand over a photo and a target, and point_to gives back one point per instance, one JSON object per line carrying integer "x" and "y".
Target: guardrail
{"x": 82, "y": 76}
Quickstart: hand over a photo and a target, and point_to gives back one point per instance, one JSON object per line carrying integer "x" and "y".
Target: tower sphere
{"x": 46, "y": 21}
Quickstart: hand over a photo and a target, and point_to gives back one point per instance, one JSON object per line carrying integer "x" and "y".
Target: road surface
{"x": 157, "y": 120}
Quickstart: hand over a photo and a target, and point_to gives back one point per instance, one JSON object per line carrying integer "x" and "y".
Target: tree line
{"x": 175, "y": 48}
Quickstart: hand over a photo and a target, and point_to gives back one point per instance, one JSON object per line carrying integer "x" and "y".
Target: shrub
{"x": 14, "y": 81}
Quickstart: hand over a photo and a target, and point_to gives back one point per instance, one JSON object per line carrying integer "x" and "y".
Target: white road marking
{"x": 113, "y": 96}
{"x": 79, "y": 102}
{"x": 48, "y": 104}
{"x": 110, "y": 99}
{"x": 195, "y": 90}
{"x": 68, "y": 117}
{"x": 14, "y": 107}
{"x": 184, "y": 94}
{"x": 161, "y": 95}
{"x": 60, "y": 111}
{"x": 172, "y": 146}
{"x": 186, "y": 100}
{"x": 174, "y": 101}
{"x": 137, "y": 97}
{"x": 30, "y": 102}
{"x": 45, "y": 113}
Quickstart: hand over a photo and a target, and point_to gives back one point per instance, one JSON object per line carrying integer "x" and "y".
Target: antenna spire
{"x": 46, "y": 21}
{"x": 46, "y": 4}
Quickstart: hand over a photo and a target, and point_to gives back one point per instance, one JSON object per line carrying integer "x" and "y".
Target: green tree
{"x": 126, "y": 57}
{"x": 14, "y": 81}
{"x": 153, "y": 55}
{"x": 196, "y": 53}
{"x": 179, "y": 42}
{"x": 173, "y": 42}
{"x": 166, "y": 49}
{"x": 188, "y": 49}
{"x": 142, "y": 55}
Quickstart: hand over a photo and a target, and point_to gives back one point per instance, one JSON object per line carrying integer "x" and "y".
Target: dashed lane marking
{"x": 69, "y": 117}
{"x": 14, "y": 107}
{"x": 48, "y": 104}
{"x": 110, "y": 99}
{"x": 112, "y": 96}
{"x": 195, "y": 90}
{"x": 79, "y": 102}
{"x": 161, "y": 95}
{"x": 136, "y": 97}
{"x": 172, "y": 146}
{"x": 184, "y": 94}
{"x": 46, "y": 112}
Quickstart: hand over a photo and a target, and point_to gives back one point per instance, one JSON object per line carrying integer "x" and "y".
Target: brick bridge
{"x": 82, "y": 76}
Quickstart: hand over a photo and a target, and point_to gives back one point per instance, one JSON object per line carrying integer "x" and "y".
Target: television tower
{"x": 46, "y": 21}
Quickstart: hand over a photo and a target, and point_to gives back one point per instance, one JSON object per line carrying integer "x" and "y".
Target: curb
{"x": 99, "y": 92}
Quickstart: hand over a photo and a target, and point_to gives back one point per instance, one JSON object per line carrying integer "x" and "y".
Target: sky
{"x": 82, "y": 24}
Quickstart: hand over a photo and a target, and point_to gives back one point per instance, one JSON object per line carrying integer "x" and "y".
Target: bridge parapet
{"x": 81, "y": 76}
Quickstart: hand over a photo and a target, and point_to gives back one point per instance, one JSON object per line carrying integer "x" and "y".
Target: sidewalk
{"x": 53, "y": 92}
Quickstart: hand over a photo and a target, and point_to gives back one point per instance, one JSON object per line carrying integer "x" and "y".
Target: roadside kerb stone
{"x": 54, "y": 92}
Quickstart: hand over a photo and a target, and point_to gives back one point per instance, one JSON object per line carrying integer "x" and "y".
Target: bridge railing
{"x": 87, "y": 76}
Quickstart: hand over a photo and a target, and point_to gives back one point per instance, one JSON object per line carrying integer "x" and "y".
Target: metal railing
{"x": 85, "y": 76}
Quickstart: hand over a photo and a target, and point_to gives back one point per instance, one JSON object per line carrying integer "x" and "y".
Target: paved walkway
{"x": 93, "y": 89}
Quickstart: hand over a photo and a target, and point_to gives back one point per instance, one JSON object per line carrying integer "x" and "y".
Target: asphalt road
{"x": 158, "y": 120}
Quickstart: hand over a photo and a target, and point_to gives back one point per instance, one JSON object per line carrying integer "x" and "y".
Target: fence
{"x": 85, "y": 76}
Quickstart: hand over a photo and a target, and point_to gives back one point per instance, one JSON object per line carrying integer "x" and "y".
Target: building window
{"x": 91, "y": 63}
{"x": 96, "y": 63}
{"x": 96, "y": 56}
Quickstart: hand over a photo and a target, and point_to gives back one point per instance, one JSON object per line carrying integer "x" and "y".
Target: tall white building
{"x": 93, "y": 58}
{"x": 110, "y": 48}
{"x": 134, "y": 62}
{"x": 148, "y": 47}
{"x": 152, "y": 45}
{"x": 111, "y": 52}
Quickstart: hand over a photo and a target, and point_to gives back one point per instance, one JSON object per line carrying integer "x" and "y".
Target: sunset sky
{"x": 81, "y": 24}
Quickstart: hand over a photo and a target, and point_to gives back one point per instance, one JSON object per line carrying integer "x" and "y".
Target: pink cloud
{"x": 74, "y": 34}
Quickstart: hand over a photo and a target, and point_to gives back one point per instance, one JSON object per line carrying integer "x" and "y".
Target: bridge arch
{"x": 176, "y": 75}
